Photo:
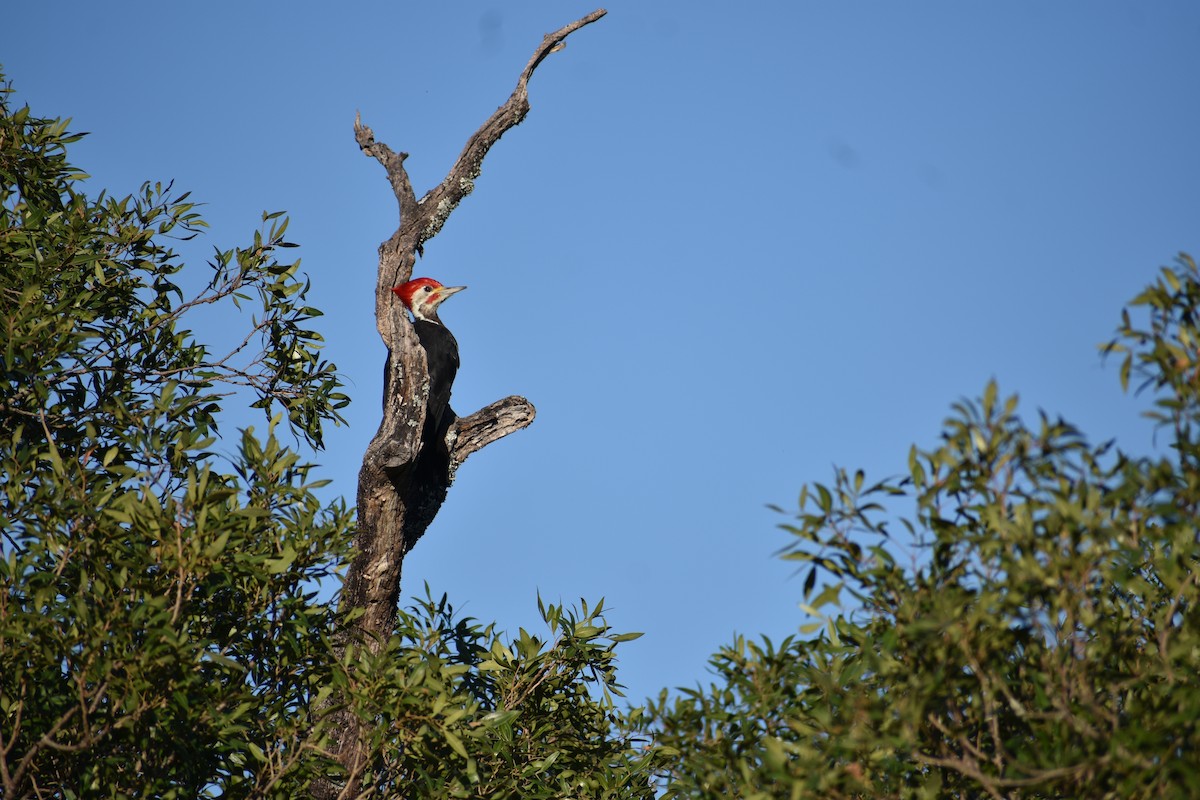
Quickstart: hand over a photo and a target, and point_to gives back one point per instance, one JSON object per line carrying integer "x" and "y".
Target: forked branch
{"x": 421, "y": 220}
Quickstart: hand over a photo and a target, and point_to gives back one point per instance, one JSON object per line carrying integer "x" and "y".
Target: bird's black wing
{"x": 441, "y": 354}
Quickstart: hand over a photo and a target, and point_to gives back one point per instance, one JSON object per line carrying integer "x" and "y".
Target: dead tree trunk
{"x": 397, "y": 501}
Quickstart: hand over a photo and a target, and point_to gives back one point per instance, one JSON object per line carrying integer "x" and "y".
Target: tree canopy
{"x": 1029, "y": 629}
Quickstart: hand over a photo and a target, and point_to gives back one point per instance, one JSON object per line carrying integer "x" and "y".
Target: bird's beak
{"x": 446, "y": 291}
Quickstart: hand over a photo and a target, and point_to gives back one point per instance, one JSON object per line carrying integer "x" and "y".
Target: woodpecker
{"x": 422, "y": 297}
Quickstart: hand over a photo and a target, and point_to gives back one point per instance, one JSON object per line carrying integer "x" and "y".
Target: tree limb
{"x": 437, "y": 204}
{"x": 477, "y": 431}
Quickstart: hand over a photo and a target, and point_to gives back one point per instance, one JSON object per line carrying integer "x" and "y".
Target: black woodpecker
{"x": 422, "y": 297}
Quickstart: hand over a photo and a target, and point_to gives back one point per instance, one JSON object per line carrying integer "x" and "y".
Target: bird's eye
{"x": 428, "y": 288}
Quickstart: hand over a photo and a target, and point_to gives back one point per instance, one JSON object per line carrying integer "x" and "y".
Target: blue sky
{"x": 725, "y": 251}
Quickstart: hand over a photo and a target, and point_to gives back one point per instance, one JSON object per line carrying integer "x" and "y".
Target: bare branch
{"x": 421, "y": 220}
{"x": 438, "y": 203}
{"x": 478, "y": 430}
{"x": 392, "y": 162}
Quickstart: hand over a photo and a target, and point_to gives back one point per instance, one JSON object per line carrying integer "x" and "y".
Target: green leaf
{"x": 455, "y": 743}
{"x": 283, "y": 563}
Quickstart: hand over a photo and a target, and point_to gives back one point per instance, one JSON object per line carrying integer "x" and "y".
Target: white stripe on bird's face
{"x": 428, "y": 298}
{"x": 426, "y": 301}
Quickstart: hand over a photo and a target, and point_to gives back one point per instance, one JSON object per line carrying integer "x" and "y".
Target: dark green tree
{"x": 1029, "y": 629}
{"x": 150, "y": 586}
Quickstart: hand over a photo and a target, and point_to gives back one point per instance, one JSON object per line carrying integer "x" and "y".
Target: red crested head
{"x": 422, "y": 296}
{"x": 406, "y": 292}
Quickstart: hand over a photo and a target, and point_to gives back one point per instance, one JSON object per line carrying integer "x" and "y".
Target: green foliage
{"x": 161, "y": 632}
{"x": 1033, "y": 632}
{"x": 459, "y": 712}
{"x": 158, "y": 629}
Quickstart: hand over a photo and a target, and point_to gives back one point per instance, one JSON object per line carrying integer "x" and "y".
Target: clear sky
{"x": 726, "y": 250}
